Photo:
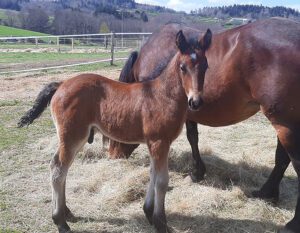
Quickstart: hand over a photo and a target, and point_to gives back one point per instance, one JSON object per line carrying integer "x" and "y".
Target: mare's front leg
{"x": 199, "y": 169}
{"x": 154, "y": 206}
{"x": 270, "y": 190}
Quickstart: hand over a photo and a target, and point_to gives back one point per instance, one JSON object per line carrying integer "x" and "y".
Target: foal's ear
{"x": 181, "y": 42}
{"x": 205, "y": 41}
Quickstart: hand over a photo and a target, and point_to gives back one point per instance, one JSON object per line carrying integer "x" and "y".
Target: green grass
{"x": 10, "y": 135}
{"x": 27, "y": 58}
{"x": 98, "y": 66}
{"x": 10, "y": 31}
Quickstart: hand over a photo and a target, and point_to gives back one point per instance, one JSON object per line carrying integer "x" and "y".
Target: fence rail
{"x": 108, "y": 43}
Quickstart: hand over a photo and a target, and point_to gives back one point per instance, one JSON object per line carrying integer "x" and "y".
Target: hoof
{"x": 64, "y": 228}
{"x": 272, "y": 197}
{"x": 291, "y": 227}
{"x": 197, "y": 175}
{"x": 285, "y": 230}
{"x": 149, "y": 213}
{"x": 69, "y": 216}
{"x": 160, "y": 224}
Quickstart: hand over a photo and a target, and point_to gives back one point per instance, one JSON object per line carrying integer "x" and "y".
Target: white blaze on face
{"x": 193, "y": 56}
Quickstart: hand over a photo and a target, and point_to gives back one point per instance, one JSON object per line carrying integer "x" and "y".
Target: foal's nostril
{"x": 195, "y": 105}
{"x": 190, "y": 102}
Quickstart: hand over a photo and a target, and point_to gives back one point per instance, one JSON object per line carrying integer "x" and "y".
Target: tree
{"x": 35, "y": 19}
{"x": 144, "y": 16}
{"x": 104, "y": 28}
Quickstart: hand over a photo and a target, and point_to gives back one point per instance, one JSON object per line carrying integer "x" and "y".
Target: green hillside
{"x": 10, "y": 31}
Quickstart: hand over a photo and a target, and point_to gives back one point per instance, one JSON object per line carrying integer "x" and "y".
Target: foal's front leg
{"x": 155, "y": 198}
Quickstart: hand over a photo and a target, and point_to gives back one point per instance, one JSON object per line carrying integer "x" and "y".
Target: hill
{"x": 10, "y": 31}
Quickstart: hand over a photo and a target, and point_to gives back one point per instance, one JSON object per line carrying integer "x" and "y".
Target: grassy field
{"x": 23, "y": 57}
{"x": 107, "y": 195}
{"x": 11, "y": 61}
{"x": 10, "y": 31}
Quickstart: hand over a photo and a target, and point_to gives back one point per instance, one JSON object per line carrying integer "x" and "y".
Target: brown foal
{"x": 152, "y": 112}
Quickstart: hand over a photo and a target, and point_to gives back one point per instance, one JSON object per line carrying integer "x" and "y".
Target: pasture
{"x": 107, "y": 195}
{"x": 11, "y": 31}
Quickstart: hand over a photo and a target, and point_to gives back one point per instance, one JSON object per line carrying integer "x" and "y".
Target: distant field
{"x": 12, "y": 61}
{"x": 10, "y": 31}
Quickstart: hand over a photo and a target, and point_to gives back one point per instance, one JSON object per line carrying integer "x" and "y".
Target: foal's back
{"x": 125, "y": 112}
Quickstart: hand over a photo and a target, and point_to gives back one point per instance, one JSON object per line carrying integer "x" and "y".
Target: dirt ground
{"x": 107, "y": 195}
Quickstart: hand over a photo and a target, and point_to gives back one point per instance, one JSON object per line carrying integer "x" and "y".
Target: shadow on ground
{"x": 183, "y": 223}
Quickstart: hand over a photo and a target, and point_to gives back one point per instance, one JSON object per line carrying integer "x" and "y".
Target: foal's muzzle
{"x": 195, "y": 104}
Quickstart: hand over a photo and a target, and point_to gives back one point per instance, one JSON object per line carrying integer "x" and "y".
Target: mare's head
{"x": 192, "y": 64}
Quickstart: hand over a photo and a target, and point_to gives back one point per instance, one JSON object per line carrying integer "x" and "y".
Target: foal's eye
{"x": 205, "y": 64}
{"x": 182, "y": 67}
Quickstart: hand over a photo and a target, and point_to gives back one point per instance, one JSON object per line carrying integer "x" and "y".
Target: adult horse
{"x": 152, "y": 112}
{"x": 252, "y": 67}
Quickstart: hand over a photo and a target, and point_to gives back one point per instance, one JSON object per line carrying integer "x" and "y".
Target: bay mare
{"x": 251, "y": 68}
{"x": 152, "y": 112}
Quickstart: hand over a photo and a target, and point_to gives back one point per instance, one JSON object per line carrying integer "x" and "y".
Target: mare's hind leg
{"x": 289, "y": 136}
{"x": 270, "y": 190}
{"x": 199, "y": 169}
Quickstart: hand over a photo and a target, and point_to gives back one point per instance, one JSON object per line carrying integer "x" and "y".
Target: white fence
{"x": 109, "y": 43}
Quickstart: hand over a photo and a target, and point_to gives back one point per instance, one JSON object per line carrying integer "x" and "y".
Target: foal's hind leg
{"x": 199, "y": 169}
{"x": 270, "y": 190}
{"x": 59, "y": 171}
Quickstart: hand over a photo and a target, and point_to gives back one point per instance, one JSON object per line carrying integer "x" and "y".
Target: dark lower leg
{"x": 270, "y": 190}
{"x": 290, "y": 139}
{"x": 199, "y": 168}
{"x": 294, "y": 224}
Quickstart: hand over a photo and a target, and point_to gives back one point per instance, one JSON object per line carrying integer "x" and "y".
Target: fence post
{"x": 72, "y": 43}
{"x": 112, "y": 48}
{"x": 36, "y": 42}
{"x": 106, "y": 42}
{"x": 58, "y": 46}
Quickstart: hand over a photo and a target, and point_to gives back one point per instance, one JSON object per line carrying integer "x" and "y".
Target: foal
{"x": 152, "y": 112}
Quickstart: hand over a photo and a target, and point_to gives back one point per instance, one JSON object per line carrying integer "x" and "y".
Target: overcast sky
{"x": 188, "y": 5}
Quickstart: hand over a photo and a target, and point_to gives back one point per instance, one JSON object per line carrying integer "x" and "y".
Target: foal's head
{"x": 193, "y": 65}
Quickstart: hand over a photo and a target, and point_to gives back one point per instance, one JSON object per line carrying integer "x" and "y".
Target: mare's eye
{"x": 182, "y": 67}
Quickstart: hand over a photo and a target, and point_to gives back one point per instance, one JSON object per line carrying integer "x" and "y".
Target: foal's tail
{"x": 126, "y": 75}
{"x": 40, "y": 104}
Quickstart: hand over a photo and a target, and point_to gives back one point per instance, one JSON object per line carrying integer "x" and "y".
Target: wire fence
{"x": 20, "y": 54}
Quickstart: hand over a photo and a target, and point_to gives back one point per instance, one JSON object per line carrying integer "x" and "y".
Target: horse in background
{"x": 251, "y": 68}
{"x": 151, "y": 112}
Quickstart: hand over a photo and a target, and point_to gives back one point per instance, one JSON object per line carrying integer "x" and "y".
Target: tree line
{"x": 247, "y": 11}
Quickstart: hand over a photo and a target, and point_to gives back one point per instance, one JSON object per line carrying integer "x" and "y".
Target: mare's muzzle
{"x": 195, "y": 104}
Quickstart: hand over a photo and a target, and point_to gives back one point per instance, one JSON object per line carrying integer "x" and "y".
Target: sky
{"x": 188, "y": 5}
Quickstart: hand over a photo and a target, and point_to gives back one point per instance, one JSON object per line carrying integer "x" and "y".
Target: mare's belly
{"x": 224, "y": 114}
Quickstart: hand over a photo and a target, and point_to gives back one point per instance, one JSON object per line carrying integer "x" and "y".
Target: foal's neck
{"x": 169, "y": 81}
